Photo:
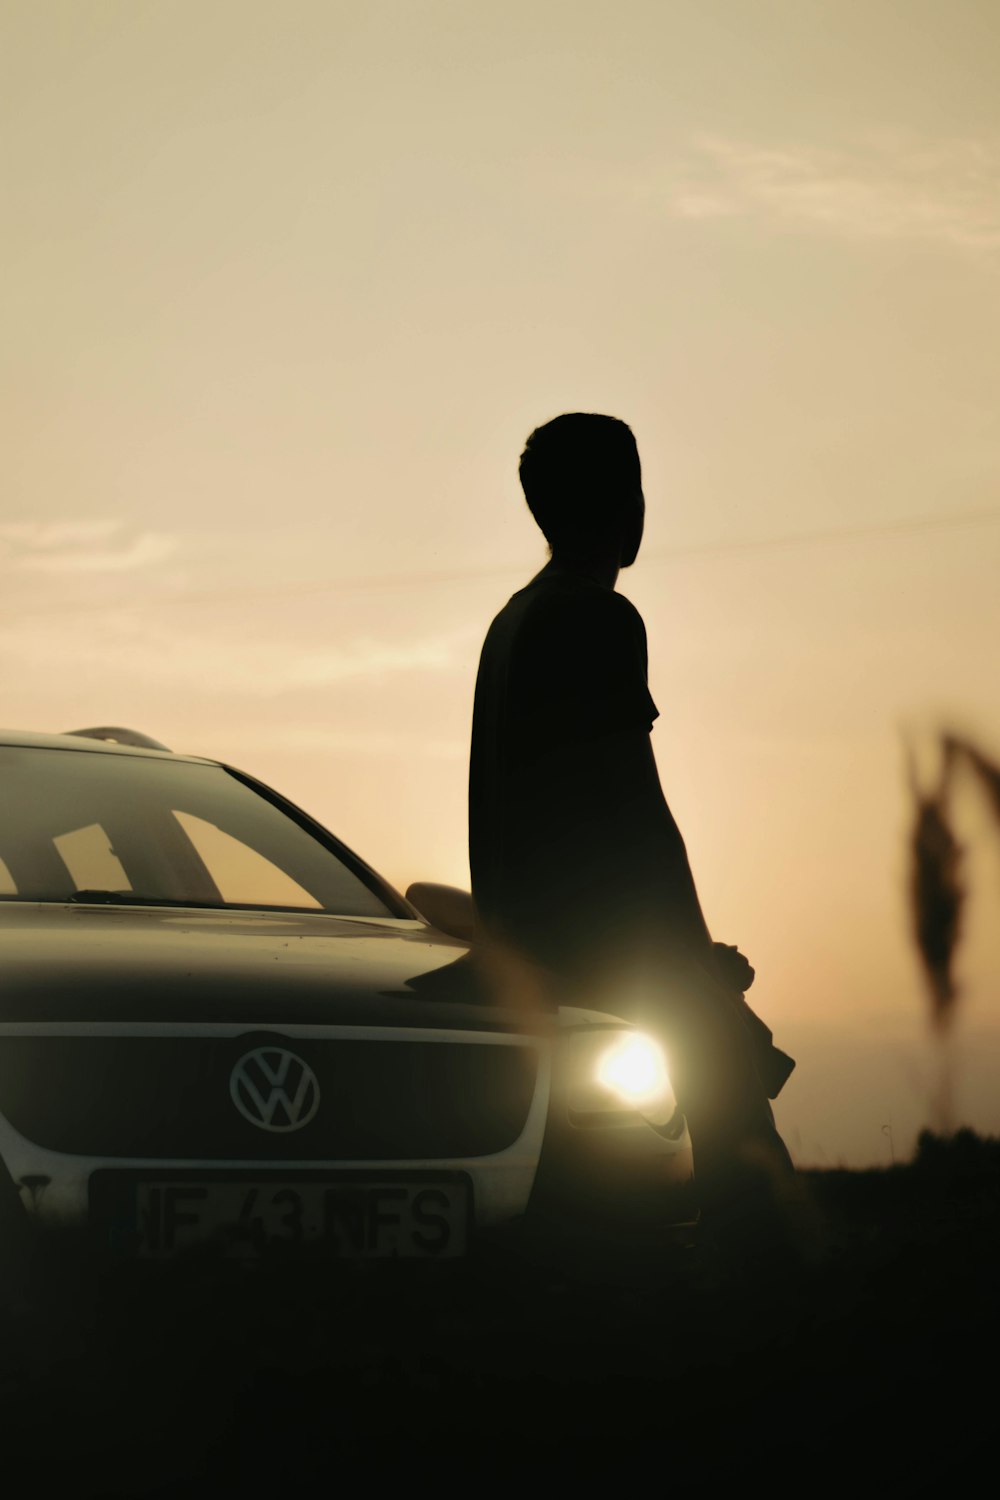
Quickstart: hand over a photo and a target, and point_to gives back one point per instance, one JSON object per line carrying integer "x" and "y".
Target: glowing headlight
{"x": 634, "y": 1069}
{"x": 609, "y": 1077}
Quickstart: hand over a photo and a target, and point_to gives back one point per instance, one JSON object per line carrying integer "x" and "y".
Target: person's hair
{"x": 579, "y": 472}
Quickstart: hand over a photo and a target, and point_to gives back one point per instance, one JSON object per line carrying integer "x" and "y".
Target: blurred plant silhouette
{"x": 938, "y": 892}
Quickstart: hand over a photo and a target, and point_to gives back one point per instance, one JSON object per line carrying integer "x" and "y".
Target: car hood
{"x": 78, "y": 963}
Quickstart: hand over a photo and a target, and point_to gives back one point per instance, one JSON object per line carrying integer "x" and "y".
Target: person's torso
{"x": 562, "y": 661}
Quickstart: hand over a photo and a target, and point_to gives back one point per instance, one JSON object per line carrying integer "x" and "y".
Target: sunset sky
{"x": 287, "y": 285}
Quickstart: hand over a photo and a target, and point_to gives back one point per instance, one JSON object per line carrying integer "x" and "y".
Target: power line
{"x": 910, "y": 525}
{"x": 906, "y": 525}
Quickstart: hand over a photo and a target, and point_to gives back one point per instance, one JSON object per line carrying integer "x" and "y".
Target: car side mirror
{"x": 444, "y": 907}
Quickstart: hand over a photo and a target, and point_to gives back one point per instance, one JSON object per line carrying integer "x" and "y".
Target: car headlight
{"x": 613, "y": 1076}
{"x": 634, "y": 1069}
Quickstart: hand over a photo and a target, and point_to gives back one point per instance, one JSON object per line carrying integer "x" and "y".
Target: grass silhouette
{"x": 938, "y": 893}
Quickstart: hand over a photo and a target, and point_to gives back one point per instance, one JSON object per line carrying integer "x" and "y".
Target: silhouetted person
{"x": 577, "y": 863}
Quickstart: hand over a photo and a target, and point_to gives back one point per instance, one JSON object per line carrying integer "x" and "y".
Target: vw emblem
{"x": 274, "y": 1089}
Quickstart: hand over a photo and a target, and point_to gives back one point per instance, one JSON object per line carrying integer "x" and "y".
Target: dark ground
{"x": 628, "y": 1356}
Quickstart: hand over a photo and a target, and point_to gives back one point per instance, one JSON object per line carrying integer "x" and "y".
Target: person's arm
{"x": 648, "y": 827}
{"x": 605, "y": 838}
{"x": 634, "y": 845}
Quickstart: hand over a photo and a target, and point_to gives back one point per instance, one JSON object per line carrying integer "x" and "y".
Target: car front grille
{"x": 175, "y": 1097}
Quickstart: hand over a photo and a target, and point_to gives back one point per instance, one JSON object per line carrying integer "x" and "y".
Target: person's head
{"x": 581, "y": 478}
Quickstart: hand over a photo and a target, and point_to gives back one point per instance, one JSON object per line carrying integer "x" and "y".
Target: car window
{"x": 241, "y": 874}
{"x": 90, "y": 859}
{"x": 165, "y": 830}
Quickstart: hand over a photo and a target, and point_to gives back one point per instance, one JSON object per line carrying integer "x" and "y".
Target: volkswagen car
{"x": 219, "y": 1026}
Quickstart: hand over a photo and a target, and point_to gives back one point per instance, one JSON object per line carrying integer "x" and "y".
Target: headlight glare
{"x": 634, "y": 1069}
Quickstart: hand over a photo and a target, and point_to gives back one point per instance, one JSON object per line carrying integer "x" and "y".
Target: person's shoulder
{"x": 560, "y": 610}
{"x": 508, "y": 620}
{"x": 593, "y": 607}
{"x": 567, "y": 594}
{"x": 628, "y": 616}
{"x": 582, "y": 609}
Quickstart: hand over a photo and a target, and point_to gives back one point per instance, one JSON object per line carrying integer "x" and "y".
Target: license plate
{"x": 417, "y": 1219}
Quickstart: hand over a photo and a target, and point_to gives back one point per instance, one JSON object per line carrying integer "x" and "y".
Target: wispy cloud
{"x": 118, "y": 647}
{"x": 43, "y": 535}
{"x": 91, "y": 546}
{"x": 368, "y": 658}
{"x": 887, "y": 188}
{"x": 333, "y": 741}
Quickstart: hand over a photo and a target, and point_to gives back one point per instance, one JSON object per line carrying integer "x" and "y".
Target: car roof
{"x": 34, "y": 740}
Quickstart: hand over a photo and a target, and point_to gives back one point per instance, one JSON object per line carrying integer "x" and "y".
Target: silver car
{"x": 219, "y": 1025}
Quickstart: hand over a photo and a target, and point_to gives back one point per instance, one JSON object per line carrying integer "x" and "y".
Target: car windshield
{"x": 95, "y": 826}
